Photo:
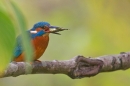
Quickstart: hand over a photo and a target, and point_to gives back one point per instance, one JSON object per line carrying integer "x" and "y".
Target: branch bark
{"x": 78, "y": 67}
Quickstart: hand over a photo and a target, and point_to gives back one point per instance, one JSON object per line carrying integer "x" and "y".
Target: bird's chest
{"x": 40, "y": 44}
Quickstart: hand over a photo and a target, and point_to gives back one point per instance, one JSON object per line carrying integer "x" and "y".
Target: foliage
{"x": 8, "y": 34}
{"x": 7, "y": 38}
{"x": 22, "y": 26}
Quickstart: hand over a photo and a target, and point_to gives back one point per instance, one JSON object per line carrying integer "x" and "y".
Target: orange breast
{"x": 40, "y": 44}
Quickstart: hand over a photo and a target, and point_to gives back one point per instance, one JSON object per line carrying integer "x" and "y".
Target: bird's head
{"x": 46, "y": 27}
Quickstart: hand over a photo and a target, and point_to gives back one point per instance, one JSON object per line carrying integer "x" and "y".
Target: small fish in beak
{"x": 56, "y": 30}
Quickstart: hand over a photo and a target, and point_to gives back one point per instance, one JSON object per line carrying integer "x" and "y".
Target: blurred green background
{"x": 97, "y": 27}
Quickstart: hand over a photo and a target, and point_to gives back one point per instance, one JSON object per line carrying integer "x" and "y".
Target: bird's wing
{"x": 18, "y": 49}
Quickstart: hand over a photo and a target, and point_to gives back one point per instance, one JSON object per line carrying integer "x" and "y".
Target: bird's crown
{"x": 40, "y": 24}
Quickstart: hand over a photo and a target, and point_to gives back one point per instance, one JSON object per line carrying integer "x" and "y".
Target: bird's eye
{"x": 45, "y": 28}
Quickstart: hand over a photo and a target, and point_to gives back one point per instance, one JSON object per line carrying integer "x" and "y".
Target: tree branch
{"x": 77, "y": 67}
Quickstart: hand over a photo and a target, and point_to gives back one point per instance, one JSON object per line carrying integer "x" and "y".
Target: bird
{"x": 39, "y": 35}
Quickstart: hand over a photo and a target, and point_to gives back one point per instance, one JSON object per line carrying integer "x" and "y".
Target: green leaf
{"x": 22, "y": 26}
{"x": 7, "y": 39}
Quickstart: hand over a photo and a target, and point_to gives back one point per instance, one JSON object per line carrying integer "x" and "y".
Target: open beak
{"x": 55, "y": 29}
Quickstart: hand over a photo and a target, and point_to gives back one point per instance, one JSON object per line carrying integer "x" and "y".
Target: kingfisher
{"x": 39, "y": 35}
